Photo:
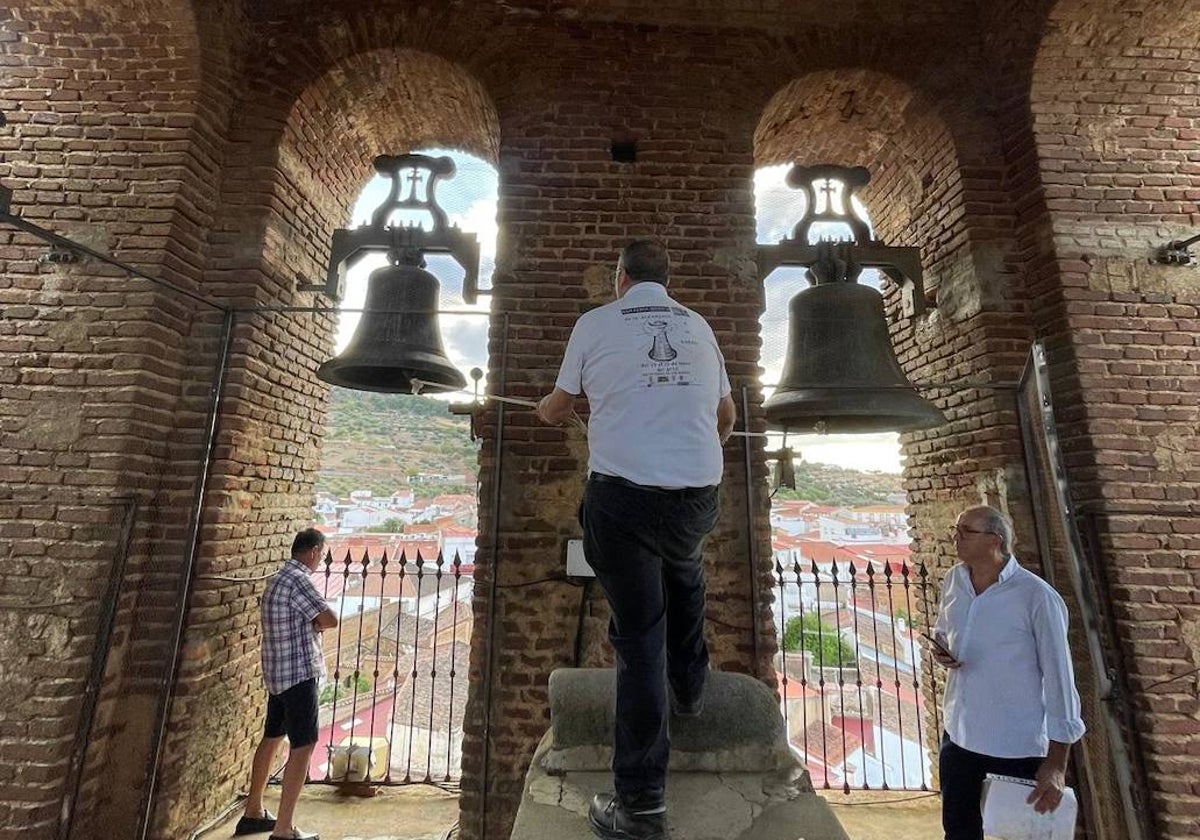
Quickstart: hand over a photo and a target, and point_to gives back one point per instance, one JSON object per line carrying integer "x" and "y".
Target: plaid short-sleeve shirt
{"x": 291, "y": 646}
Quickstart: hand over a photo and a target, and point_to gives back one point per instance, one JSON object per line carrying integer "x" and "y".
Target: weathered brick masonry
{"x": 1036, "y": 152}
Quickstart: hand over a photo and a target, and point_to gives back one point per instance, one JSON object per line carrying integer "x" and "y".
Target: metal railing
{"x": 860, "y": 698}
{"x": 391, "y": 710}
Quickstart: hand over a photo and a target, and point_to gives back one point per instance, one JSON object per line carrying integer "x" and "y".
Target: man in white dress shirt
{"x": 660, "y": 411}
{"x": 1011, "y": 705}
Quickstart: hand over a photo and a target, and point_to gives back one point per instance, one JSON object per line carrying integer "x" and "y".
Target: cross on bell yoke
{"x": 398, "y": 339}
{"x": 840, "y": 374}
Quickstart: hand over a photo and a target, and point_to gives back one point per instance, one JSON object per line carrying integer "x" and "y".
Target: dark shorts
{"x": 293, "y": 713}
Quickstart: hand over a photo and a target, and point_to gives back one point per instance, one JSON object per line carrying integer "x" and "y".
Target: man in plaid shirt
{"x": 293, "y": 616}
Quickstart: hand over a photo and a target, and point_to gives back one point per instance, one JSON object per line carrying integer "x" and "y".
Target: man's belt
{"x": 603, "y": 478}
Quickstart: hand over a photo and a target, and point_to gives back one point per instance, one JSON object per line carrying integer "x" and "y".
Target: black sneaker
{"x": 687, "y": 710}
{"x": 611, "y": 821}
{"x": 255, "y": 825}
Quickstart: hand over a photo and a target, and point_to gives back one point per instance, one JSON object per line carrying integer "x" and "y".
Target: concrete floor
{"x": 418, "y": 812}
{"x": 887, "y": 815}
{"x": 414, "y": 812}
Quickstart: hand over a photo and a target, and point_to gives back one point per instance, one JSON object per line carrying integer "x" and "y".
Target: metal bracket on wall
{"x": 351, "y": 245}
{"x": 1176, "y": 252}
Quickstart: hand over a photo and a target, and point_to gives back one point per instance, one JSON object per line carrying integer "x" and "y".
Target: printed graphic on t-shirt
{"x": 666, "y": 341}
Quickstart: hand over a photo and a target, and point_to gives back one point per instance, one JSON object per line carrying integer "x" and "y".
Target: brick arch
{"x": 300, "y": 146}
{"x": 863, "y": 117}
{"x": 935, "y": 182}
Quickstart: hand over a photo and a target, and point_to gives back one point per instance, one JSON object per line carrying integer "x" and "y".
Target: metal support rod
{"x": 72, "y": 245}
{"x": 328, "y": 310}
{"x": 91, "y": 691}
{"x": 186, "y": 576}
{"x": 490, "y": 634}
{"x": 751, "y": 531}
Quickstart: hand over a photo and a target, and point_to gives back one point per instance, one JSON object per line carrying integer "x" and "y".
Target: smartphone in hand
{"x": 938, "y": 646}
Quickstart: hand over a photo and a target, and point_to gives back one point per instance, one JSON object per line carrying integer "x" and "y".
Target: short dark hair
{"x": 646, "y": 260}
{"x": 306, "y": 539}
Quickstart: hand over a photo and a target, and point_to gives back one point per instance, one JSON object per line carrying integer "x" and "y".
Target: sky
{"x": 469, "y": 199}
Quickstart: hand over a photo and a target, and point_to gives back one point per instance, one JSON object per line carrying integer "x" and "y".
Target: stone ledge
{"x": 740, "y": 729}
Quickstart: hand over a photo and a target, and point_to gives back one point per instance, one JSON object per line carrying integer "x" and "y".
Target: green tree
{"x": 391, "y": 525}
{"x": 809, "y": 633}
{"x": 333, "y": 691}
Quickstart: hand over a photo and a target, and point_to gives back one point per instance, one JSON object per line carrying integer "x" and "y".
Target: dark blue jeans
{"x": 645, "y": 545}
{"x": 962, "y": 773}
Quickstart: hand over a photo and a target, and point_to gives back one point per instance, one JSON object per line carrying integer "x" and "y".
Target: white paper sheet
{"x": 1007, "y": 816}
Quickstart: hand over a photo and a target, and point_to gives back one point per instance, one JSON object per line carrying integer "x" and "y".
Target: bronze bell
{"x": 397, "y": 340}
{"x": 841, "y": 375}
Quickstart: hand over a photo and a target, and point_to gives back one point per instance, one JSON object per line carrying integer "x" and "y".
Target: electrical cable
{"x": 1170, "y": 679}
{"x": 53, "y": 605}
{"x": 551, "y": 579}
{"x": 235, "y": 578}
{"x": 577, "y": 658}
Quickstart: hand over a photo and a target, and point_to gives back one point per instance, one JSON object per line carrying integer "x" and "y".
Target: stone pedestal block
{"x": 733, "y": 775}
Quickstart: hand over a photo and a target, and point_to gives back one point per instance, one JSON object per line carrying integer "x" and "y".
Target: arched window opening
{"x": 843, "y": 609}
{"x": 399, "y": 479}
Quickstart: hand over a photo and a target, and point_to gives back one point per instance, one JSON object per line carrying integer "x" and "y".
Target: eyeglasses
{"x": 959, "y": 532}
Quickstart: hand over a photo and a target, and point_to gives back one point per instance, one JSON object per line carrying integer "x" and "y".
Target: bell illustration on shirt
{"x": 661, "y": 350}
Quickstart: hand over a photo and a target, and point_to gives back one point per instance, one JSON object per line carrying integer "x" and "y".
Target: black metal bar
{"x": 396, "y": 667}
{"x": 71, "y": 245}
{"x": 91, "y": 691}
{"x": 909, "y": 610}
{"x": 490, "y": 632}
{"x": 803, "y": 659}
{"x": 751, "y": 532}
{"x": 457, "y": 566}
{"x": 330, "y": 310}
{"x": 412, "y": 700}
{"x": 878, "y": 676}
{"x": 183, "y": 594}
{"x": 923, "y": 574}
{"x": 783, "y": 652}
{"x": 816, "y": 572}
{"x": 383, "y": 564}
{"x": 437, "y": 609}
{"x": 837, "y": 646}
{"x": 337, "y": 663}
{"x": 862, "y": 733}
{"x": 366, "y": 563}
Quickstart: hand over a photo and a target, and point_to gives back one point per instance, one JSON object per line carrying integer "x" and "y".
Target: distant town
{"x": 400, "y": 573}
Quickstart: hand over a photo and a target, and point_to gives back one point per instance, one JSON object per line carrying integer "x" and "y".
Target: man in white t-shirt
{"x": 661, "y": 409}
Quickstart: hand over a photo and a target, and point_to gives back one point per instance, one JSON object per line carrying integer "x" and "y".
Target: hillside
{"x": 840, "y": 486}
{"x": 376, "y": 441}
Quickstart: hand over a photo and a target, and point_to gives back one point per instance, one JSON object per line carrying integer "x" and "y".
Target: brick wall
{"x": 1114, "y": 99}
{"x": 101, "y": 105}
{"x": 220, "y": 149}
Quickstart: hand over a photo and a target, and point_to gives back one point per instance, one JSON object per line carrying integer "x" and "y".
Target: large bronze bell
{"x": 398, "y": 340}
{"x": 841, "y": 375}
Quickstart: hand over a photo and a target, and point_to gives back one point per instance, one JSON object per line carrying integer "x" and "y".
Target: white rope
{"x": 419, "y": 384}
